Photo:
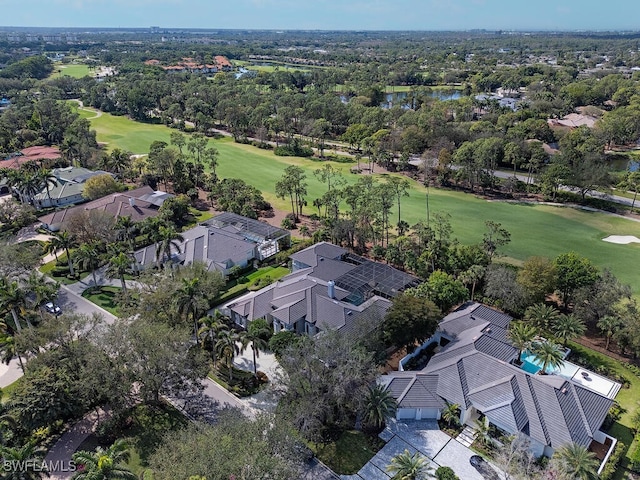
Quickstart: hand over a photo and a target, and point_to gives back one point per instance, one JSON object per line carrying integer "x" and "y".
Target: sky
{"x": 327, "y": 14}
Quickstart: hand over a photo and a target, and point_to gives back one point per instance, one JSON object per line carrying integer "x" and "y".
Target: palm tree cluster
{"x": 29, "y": 180}
{"x": 217, "y": 334}
{"x": 542, "y": 318}
{"x": 22, "y": 301}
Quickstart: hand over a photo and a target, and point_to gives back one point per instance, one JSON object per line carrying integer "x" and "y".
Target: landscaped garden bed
{"x": 242, "y": 383}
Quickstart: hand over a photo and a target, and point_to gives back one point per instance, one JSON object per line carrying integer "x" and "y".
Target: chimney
{"x": 331, "y": 289}
{"x": 132, "y": 201}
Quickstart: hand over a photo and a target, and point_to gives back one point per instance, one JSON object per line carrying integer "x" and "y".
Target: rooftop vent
{"x": 564, "y": 390}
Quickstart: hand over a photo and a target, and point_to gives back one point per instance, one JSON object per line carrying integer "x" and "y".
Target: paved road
{"x": 418, "y": 162}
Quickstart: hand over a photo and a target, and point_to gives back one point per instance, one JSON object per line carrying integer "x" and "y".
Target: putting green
{"x": 535, "y": 229}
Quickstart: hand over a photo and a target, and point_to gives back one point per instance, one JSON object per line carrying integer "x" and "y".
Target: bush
{"x": 281, "y": 340}
{"x": 288, "y": 224}
{"x": 612, "y": 464}
{"x": 634, "y": 465}
{"x": 446, "y": 473}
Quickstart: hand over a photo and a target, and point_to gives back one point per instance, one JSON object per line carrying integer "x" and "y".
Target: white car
{"x": 52, "y": 308}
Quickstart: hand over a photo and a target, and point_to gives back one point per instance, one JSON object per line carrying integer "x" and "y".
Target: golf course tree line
{"x": 331, "y": 104}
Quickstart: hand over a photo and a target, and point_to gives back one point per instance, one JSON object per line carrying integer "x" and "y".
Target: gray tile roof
{"x": 217, "y": 249}
{"x": 304, "y": 294}
{"x": 474, "y": 370}
{"x": 311, "y": 256}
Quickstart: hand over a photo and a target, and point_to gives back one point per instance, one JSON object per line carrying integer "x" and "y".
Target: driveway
{"x": 421, "y": 436}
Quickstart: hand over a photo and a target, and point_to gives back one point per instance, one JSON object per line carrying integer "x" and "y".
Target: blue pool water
{"x": 531, "y": 365}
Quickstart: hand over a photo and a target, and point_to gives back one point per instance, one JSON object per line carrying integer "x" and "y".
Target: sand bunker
{"x": 621, "y": 239}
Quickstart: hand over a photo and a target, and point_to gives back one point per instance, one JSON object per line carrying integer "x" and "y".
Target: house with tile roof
{"x": 68, "y": 189}
{"x": 476, "y": 367}
{"x": 222, "y": 243}
{"x": 137, "y": 204}
{"x": 328, "y": 288}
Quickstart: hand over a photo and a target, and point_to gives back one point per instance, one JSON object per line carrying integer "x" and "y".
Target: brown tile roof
{"x": 116, "y": 204}
{"x": 31, "y": 154}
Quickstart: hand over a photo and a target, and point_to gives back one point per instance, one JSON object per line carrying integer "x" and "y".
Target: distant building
{"x": 69, "y": 188}
{"x": 38, "y": 154}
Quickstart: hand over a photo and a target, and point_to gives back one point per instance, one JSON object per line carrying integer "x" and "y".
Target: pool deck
{"x": 579, "y": 375}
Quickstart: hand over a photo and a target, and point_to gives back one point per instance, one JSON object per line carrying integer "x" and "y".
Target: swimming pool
{"x": 532, "y": 365}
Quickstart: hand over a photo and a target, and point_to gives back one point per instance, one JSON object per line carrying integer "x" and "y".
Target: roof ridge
{"x": 538, "y": 409}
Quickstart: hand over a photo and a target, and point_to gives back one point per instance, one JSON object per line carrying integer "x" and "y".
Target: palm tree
{"x": 64, "y": 240}
{"x": 472, "y": 276}
{"x": 168, "y": 238}
{"x": 379, "y": 406}
{"x": 548, "y": 355}
{"x": 257, "y": 335}
{"x": 87, "y": 257}
{"x": 104, "y": 464}
{"x": 576, "y": 462}
{"x": 451, "y": 414}
{"x": 227, "y": 348}
{"x": 211, "y": 326}
{"x": 541, "y": 316}
{"x": 127, "y": 231}
{"x": 609, "y": 325}
{"x": 188, "y": 298}
{"x": 117, "y": 267}
{"x": 9, "y": 349}
{"x": 13, "y": 299}
{"x": 28, "y": 457}
{"x": 481, "y": 433}
{"x": 521, "y": 336}
{"x": 48, "y": 180}
{"x": 43, "y": 290}
{"x": 150, "y": 227}
{"x": 407, "y": 466}
{"x": 568, "y": 327}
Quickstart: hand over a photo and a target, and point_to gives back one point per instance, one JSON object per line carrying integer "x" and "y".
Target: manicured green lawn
{"x": 535, "y": 229}
{"x": 235, "y": 288}
{"x": 104, "y": 297}
{"x": 349, "y": 453}
{"x": 75, "y": 70}
{"x": 47, "y": 269}
{"x": 8, "y": 390}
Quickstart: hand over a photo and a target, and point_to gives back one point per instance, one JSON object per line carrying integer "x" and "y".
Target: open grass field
{"x": 74, "y": 70}
{"x": 535, "y": 229}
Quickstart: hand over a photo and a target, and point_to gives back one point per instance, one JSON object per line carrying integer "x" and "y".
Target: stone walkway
{"x": 425, "y": 437}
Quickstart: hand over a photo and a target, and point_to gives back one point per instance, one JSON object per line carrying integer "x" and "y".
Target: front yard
{"x": 349, "y": 453}
{"x": 105, "y": 297}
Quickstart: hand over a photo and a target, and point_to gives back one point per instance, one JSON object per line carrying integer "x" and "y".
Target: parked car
{"x": 52, "y": 308}
{"x": 483, "y": 468}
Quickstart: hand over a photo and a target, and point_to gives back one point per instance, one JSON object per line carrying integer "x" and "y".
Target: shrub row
{"x": 614, "y": 460}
